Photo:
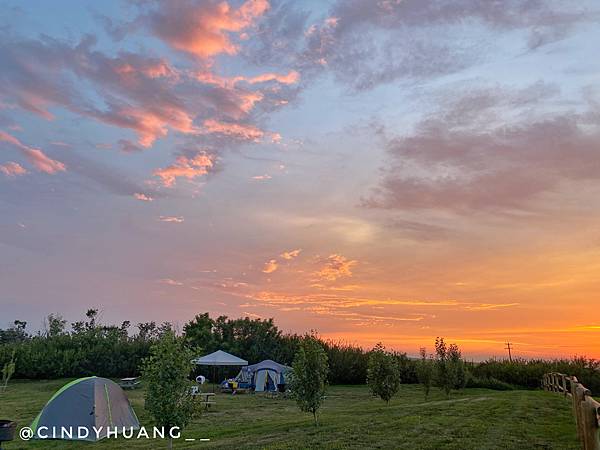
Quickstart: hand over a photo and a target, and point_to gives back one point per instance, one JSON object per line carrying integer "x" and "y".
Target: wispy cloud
{"x": 35, "y": 156}
{"x": 171, "y": 219}
{"x": 270, "y": 266}
{"x": 291, "y": 254}
{"x": 335, "y": 266}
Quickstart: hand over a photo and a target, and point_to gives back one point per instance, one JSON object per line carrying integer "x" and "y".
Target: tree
{"x": 54, "y": 325}
{"x": 7, "y": 371}
{"x": 309, "y": 377}
{"x": 383, "y": 373}
{"x": 450, "y": 367}
{"x": 168, "y": 393}
{"x": 442, "y": 373}
{"x": 425, "y": 371}
{"x": 456, "y": 367}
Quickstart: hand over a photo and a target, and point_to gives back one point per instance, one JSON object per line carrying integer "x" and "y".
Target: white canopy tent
{"x": 219, "y": 358}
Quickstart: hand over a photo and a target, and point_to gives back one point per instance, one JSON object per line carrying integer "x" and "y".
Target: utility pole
{"x": 509, "y": 348}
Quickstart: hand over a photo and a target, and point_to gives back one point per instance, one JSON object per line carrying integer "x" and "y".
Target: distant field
{"x": 351, "y": 418}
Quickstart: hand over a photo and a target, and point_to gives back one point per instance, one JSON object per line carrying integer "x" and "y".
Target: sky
{"x": 389, "y": 170}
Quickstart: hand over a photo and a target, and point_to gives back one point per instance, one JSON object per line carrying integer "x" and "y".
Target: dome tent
{"x": 266, "y": 375}
{"x": 86, "y": 402}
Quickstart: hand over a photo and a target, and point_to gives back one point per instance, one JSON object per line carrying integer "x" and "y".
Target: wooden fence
{"x": 585, "y": 408}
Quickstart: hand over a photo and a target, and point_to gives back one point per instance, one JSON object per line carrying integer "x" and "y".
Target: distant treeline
{"x": 88, "y": 347}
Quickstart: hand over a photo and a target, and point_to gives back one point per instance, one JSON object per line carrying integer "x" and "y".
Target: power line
{"x": 509, "y": 347}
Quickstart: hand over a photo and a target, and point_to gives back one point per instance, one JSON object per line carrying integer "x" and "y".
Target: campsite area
{"x": 350, "y": 418}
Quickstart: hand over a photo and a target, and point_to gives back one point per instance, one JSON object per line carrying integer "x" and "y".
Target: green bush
{"x": 528, "y": 373}
{"x": 487, "y": 383}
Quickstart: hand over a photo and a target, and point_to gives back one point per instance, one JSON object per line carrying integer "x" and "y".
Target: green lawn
{"x": 350, "y": 418}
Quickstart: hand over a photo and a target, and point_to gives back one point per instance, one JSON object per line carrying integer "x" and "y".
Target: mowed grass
{"x": 350, "y": 418}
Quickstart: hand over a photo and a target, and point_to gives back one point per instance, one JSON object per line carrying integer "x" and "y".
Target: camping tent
{"x": 219, "y": 358}
{"x": 86, "y": 402}
{"x": 266, "y": 375}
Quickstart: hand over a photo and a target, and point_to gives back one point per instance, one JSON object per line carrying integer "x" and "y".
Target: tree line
{"x": 89, "y": 347}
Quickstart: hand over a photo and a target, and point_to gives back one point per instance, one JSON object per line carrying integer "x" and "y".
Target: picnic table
{"x": 206, "y": 398}
{"x": 130, "y": 383}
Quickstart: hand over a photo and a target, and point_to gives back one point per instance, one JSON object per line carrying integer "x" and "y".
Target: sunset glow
{"x": 373, "y": 170}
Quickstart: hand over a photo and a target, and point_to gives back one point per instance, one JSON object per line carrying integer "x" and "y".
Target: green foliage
{"x": 168, "y": 388}
{"x": 7, "y": 371}
{"x": 456, "y": 367}
{"x": 89, "y": 348}
{"x": 487, "y": 383}
{"x": 347, "y": 363}
{"x": 425, "y": 371}
{"x": 383, "y": 373}
{"x": 450, "y": 370}
{"x": 528, "y": 373}
{"x": 309, "y": 378}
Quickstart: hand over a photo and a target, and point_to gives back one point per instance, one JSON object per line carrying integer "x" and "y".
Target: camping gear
{"x": 219, "y": 358}
{"x": 266, "y": 376}
{"x": 86, "y": 402}
{"x": 7, "y": 431}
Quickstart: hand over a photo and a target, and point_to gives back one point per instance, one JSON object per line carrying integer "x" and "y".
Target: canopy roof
{"x": 220, "y": 358}
{"x": 268, "y": 364}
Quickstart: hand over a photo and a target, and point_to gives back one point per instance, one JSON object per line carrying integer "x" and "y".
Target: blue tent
{"x": 266, "y": 375}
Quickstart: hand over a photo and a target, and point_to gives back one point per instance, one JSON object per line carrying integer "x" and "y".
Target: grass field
{"x": 350, "y": 418}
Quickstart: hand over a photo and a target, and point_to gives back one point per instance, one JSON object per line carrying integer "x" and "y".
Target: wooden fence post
{"x": 589, "y": 411}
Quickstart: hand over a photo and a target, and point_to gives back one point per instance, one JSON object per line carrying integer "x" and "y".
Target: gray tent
{"x": 266, "y": 375}
{"x": 86, "y": 402}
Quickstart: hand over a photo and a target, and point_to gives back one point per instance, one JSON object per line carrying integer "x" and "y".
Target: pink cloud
{"x": 291, "y": 78}
{"x": 202, "y": 28}
{"x": 143, "y": 197}
{"x": 12, "y": 169}
{"x": 35, "y": 156}
{"x": 185, "y": 167}
{"x": 245, "y": 132}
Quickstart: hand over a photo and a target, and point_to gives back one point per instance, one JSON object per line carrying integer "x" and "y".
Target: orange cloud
{"x": 202, "y": 30}
{"x": 185, "y": 167}
{"x": 12, "y": 169}
{"x": 270, "y": 266}
{"x": 336, "y": 266}
{"x": 291, "y": 254}
{"x": 35, "y": 156}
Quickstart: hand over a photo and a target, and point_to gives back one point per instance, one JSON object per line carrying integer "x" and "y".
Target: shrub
{"x": 487, "y": 383}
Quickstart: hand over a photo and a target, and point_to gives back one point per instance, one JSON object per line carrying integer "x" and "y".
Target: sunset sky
{"x": 390, "y": 170}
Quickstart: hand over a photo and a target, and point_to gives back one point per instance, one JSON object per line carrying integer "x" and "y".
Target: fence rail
{"x": 585, "y": 408}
